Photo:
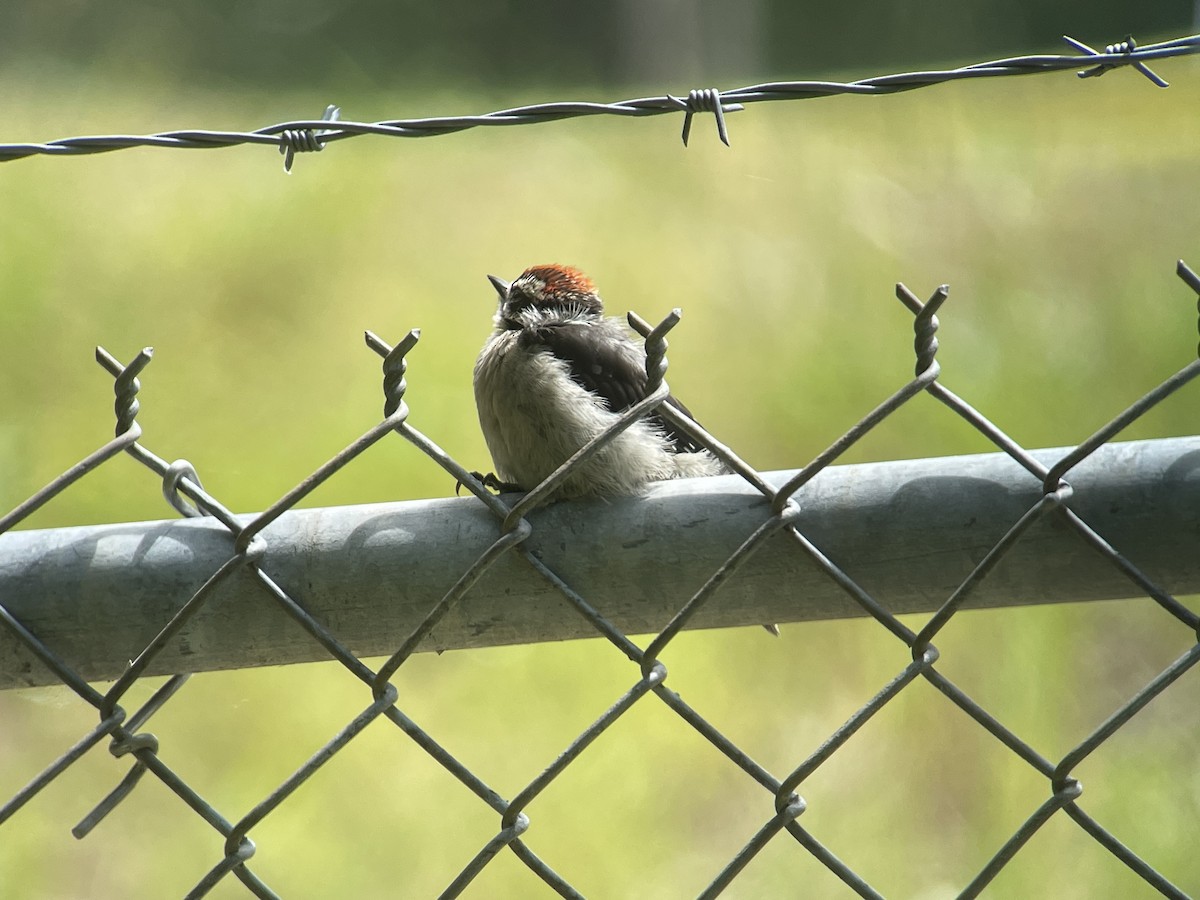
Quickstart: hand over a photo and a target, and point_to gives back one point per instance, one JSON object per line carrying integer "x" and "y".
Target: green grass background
{"x": 1055, "y": 208}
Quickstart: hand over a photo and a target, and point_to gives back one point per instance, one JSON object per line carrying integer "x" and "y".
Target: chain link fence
{"x": 123, "y": 603}
{"x": 48, "y": 641}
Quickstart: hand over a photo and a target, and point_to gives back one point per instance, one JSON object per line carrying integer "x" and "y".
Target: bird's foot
{"x": 491, "y": 482}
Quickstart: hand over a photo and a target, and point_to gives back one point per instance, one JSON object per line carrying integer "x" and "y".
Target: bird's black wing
{"x": 606, "y": 369}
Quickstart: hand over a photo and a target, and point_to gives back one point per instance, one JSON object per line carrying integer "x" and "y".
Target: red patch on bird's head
{"x": 561, "y": 279}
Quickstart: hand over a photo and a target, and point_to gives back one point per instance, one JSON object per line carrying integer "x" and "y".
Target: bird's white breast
{"x": 534, "y": 416}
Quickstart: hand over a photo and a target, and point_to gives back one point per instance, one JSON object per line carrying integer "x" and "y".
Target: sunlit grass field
{"x": 1055, "y": 209}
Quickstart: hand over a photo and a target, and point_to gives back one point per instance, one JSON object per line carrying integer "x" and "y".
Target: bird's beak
{"x": 500, "y": 285}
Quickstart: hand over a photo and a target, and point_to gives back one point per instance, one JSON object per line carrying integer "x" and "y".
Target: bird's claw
{"x": 491, "y": 482}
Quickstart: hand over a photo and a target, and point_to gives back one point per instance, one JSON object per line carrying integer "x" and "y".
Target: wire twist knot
{"x": 656, "y": 345}
{"x": 125, "y": 385}
{"x": 925, "y": 327}
{"x": 394, "y": 367}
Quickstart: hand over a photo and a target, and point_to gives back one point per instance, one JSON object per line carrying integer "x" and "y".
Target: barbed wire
{"x": 309, "y": 135}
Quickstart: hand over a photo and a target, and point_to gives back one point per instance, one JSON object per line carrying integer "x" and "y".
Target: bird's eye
{"x": 518, "y": 300}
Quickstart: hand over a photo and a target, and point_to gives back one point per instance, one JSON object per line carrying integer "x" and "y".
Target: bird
{"x": 554, "y": 373}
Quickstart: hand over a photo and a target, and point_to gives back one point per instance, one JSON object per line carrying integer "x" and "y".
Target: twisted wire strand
{"x": 313, "y": 134}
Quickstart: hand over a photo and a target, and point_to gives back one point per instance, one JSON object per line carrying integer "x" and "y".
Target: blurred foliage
{"x": 1055, "y": 209}
{"x": 349, "y": 45}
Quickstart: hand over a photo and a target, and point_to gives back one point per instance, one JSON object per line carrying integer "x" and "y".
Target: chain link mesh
{"x": 182, "y": 488}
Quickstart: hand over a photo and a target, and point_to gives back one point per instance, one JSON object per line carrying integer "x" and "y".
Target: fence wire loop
{"x": 252, "y": 551}
{"x": 132, "y": 743}
{"x": 176, "y": 472}
{"x": 304, "y": 140}
{"x": 794, "y": 806}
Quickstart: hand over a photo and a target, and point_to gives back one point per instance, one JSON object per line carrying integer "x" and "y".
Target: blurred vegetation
{"x": 1055, "y": 209}
{"x": 353, "y": 45}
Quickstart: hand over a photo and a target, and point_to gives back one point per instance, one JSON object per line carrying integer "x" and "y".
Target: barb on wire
{"x": 706, "y": 100}
{"x": 308, "y": 135}
{"x": 304, "y": 140}
{"x": 1127, "y": 46}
